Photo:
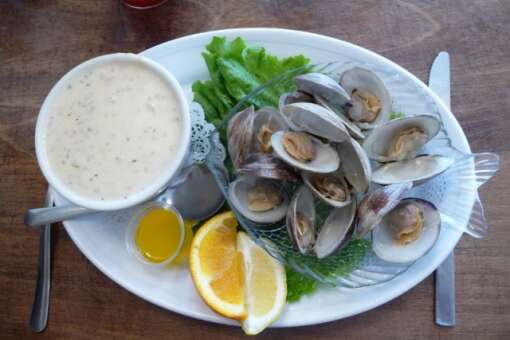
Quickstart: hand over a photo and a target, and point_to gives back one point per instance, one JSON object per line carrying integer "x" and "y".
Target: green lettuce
{"x": 236, "y": 70}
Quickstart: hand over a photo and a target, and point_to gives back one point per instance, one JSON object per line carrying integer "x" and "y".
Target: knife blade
{"x": 439, "y": 82}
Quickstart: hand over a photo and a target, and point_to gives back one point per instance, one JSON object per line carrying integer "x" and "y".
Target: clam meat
{"x": 266, "y": 122}
{"x": 331, "y": 188}
{"x": 264, "y": 196}
{"x": 353, "y": 129}
{"x": 365, "y": 106}
{"x": 370, "y": 100}
{"x": 406, "y": 220}
{"x": 406, "y": 142}
{"x": 407, "y": 232}
{"x": 305, "y": 152}
{"x": 299, "y": 145}
{"x": 301, "y": 219}
{"x": 401, "y": 139}
{"x": 258, "y": 199}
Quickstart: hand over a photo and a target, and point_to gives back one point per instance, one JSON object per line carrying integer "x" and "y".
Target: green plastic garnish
{"x": 397, "y": 114}
{"x": 298, "y": 285}
{"x": 334, "y": 266}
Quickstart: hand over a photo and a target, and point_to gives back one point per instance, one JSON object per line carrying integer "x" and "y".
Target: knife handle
{"x": 445, "y": 292}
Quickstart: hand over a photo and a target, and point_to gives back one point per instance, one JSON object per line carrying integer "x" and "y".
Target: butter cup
{"x": 131, "y": 230}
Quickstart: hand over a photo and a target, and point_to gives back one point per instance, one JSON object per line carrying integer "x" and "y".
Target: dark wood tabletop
{"x": 41, "y": 40}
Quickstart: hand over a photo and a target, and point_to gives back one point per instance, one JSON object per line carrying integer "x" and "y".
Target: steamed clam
{"x": 299, "y": 146}
{"x": 266, "y": 122}
{"x": 316, "y": 120}
{"x": 331, "y": 188}
{"x": 318, "y": 84}
{"x": 294, "y": 97}
{"x": 377, "y": 204}
{"x": 370, "y": 100}
{"x": 353, "y": 129}
{"x": 322, "y": 159}
{"x": 397, "y": 144}
{"x": 258, "y": 199}
{"x": 355, "y": 164}
{"x": 407, "y": 232}
{"x": 336, "y": 231}
{"x": 313, "y": 136}
{"x": 267, "y": 166}
{"x": 301, "y": 220}
{"x": 418, "y": 169}
{"x": 401, "y": 139}
{"x": 239, "y": 135}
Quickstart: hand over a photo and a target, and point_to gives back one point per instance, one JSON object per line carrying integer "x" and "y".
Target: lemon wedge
{"x": 265, "y": 286}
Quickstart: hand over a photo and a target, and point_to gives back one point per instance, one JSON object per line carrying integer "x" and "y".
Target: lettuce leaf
{"x": 236, "y": 70}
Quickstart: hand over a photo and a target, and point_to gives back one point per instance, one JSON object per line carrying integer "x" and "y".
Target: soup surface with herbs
{"x": 113, "y": 130}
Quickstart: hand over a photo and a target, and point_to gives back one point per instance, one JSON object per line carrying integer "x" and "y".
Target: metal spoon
{"x": 197, "y": 197}
{"x": 39, "y": 316}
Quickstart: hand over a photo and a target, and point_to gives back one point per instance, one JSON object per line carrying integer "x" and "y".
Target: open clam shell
{"x": 336, "y": 231}
{"x": 239, "y": 135}
{"x": 239, "y": 194}
{"x": 315, "y": 119}
{"x": 418, "y": 169}
{"x": 378, "y": 143}
{"x": 318, "y": 84}
{"x": 267, "y": 166}
{"x": 353, "y": 129}
{"x": 377, "y": 204}
{"x": 294, "y": 97}
{"x": 387, "y": 248}
{"x": 361, "y": 79}
{"x": 355, "y": 165}
{"x": 301, "y": 219}
{"x": 326, "y": 159}
{"x": 313, "y": 180}
{"x": 267, "y": 121}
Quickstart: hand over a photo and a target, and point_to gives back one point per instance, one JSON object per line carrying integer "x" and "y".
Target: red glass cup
{"x": 143, "y": 4}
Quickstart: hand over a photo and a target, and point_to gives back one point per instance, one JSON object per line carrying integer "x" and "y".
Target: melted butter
{"x": 158, "y": 234}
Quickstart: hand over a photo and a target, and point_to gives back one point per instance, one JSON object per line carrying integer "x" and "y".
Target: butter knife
{"x": 439, "y": 82}
{"x": 39, "y": 316}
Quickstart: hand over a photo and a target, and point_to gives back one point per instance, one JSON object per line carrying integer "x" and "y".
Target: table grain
{"x": 41, "y": 40}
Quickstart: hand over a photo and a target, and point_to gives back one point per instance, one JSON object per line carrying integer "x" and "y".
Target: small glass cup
{"x": 143, "y": 4}
{"x": 130, "y": 237}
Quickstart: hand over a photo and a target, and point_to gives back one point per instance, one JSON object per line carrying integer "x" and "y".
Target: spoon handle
{"x": 41, "y": 216}
{"x": 39, "y": 316}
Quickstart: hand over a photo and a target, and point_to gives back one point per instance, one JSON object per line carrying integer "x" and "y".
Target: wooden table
{"x": 41, "y": 40}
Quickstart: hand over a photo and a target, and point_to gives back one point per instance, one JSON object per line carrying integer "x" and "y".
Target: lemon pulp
{"x": 158, "y": 234}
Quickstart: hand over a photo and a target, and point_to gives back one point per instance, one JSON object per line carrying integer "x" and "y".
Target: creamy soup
{"x": 113, "y": 130}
